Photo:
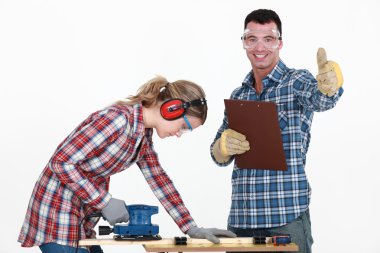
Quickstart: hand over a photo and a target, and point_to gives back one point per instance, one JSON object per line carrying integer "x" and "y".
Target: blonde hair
{"x": 158, "y": 90}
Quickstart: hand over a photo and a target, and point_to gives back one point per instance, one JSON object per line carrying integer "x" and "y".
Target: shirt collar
{"x": 275, "y": 75}
{"x": 138, "y": 118}
{"x": 134, "y": 114}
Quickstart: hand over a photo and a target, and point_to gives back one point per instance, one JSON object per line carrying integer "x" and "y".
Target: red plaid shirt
{"x": 75, "y": 181}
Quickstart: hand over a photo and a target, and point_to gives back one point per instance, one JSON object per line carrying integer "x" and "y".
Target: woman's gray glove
{"x": 115, "y": 212}
{"x": 209, "y": 233}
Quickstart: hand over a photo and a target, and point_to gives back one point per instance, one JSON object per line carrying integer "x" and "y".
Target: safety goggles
{"x": 188, "y": 129}
{"x": 269, "y": 38}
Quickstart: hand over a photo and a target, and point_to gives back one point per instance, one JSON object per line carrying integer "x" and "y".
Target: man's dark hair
{"x": 264, "y": 16}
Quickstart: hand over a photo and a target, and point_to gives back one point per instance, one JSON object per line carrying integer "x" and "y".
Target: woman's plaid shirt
{"x": 75, "y": 181}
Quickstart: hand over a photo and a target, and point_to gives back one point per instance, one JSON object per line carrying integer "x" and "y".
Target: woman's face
{"x": 177, "y": 127}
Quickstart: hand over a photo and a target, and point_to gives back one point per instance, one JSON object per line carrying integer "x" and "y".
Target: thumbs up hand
{"x": 329, "y": 77}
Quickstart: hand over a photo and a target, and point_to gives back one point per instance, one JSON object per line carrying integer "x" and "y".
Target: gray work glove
{"x": 115, "y": 211}
{"x": 209, "y": 233}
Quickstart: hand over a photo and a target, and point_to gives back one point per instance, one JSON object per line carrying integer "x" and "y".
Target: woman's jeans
{"x": 299, "y": 231}
{"x": 57, "y": 248}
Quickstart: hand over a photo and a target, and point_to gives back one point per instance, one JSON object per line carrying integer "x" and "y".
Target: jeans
{"x": 57, "y": 248}
{"x": 299, "y": 231}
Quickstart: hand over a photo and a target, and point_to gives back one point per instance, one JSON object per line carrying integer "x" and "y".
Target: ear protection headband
{"x": 175, "y": 108}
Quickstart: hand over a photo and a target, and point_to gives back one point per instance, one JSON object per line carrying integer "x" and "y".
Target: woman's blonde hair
{"x": 158, "y": 90}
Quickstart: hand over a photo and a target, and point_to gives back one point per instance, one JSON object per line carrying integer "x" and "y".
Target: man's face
{"x": 262, "y": 45}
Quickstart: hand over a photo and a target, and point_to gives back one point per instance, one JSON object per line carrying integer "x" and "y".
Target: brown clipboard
{"x": 258, "y": 121}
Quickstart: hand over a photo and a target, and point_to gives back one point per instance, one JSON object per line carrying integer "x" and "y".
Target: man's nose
{"x": 260, "y": 45}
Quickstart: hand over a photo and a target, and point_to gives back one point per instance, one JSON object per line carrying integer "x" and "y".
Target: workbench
{"x": 197, "y": 245}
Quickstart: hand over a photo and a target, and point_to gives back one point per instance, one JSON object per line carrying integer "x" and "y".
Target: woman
{"x": 75, "y": 182}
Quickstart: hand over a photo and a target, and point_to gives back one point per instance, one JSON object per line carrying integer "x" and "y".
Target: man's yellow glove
{"x": 230, "y": 143}
{"x": 329, "y": 77}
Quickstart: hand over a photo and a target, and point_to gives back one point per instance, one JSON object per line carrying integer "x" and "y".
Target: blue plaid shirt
{"x": 268, "y": 198}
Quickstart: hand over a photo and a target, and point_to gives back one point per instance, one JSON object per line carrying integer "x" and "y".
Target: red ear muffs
{"x": 176, "y": 108}
{"x": 173, "y": 109}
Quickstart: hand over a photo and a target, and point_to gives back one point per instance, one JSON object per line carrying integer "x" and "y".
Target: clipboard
{"x": 258, "y": 121}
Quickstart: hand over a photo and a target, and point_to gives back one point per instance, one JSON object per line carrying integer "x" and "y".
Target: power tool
{"x": 139, "y": 226}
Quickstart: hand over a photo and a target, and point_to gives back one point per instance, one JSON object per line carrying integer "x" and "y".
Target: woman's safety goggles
{"x": 188, "y": 127}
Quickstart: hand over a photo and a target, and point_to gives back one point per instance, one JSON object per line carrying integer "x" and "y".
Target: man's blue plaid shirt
{"x": 269, "y": 198}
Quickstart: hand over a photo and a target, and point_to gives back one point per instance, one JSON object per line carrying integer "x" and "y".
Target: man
{"x": 269, "y": 202}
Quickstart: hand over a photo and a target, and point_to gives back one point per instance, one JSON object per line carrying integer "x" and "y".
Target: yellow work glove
{"x": 230, "y": 143}
{"x": 329, "y": 77}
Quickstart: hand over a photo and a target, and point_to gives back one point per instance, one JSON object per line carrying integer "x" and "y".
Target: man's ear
{"x": 280, "y": 45}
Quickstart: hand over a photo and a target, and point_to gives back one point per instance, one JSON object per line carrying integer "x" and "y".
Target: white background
{"x": 62, "y": 60}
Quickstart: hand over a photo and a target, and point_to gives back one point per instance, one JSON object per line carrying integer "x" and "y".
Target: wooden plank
{"x": 111, "y": 241}
{"x": 220, "y": 247}
{"x": 195, "y": 245}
